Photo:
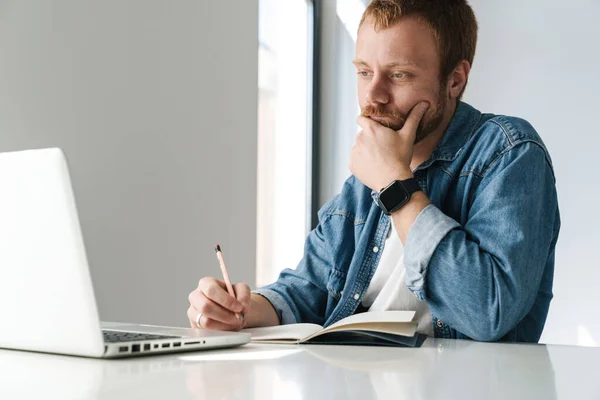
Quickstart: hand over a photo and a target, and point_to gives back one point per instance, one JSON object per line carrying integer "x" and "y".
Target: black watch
{"x": 397, "y": 194}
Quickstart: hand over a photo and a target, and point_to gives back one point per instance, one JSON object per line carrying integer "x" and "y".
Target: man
{"x": 449, "y": 212}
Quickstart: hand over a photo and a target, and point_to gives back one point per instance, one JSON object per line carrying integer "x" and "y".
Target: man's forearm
{"x": 405, "y": 217}
{"x": 261, "y": 313}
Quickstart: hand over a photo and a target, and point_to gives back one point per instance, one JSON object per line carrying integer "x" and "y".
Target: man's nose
{"x": 377, "y": 92}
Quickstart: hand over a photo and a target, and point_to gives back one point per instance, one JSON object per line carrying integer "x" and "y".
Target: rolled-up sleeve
{"x": 426, "y": 233}
{"x": 482, "y": 276}
{"x": 285, "y": 313}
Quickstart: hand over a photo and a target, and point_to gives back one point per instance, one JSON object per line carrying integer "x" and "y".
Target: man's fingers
{"x": 208, "y": 323}
{"x": 364, "y": 122}
{"x": 212, "y": 310}
{"x": 242, "y": 292}
{"x": 192, "y": 314}
{"x": 216, "y": 291}
{"x": 415, "y": 116}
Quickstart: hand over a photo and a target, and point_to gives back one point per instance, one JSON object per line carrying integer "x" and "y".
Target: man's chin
{"x": 420, "y": 136}
{"x": 394, "y": 126}
{"x": 388, "y": 122}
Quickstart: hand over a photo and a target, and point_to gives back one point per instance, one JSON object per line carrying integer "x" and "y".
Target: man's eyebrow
{"x": 358, "y": 62}
{"x": 402, "y": 63}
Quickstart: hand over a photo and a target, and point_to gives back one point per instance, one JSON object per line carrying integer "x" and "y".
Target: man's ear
{"x": 458, "y": 79}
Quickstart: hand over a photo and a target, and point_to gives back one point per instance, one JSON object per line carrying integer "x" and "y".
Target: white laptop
{"x": 47, "y": 301}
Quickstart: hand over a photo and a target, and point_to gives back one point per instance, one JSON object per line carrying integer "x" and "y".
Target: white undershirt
{"x": 388, "y": 290}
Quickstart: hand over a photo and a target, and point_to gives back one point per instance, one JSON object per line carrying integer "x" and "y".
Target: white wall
{"x": 155, "y": 105}
{"x": 538, "y": 60}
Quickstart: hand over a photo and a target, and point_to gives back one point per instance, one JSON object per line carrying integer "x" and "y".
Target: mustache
{"x": 372, "y": 111}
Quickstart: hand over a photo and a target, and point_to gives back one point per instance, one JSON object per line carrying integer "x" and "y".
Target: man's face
{"x": 397, "y": 68}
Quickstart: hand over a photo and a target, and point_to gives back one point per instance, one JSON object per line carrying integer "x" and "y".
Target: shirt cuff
{"x": 286, "y": 316}
{"x": 426, "y": 233}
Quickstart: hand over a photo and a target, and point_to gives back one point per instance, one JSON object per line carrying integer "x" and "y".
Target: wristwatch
{"x": 397, "y": 194}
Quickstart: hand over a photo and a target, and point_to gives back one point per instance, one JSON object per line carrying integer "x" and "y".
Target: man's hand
{"x": 382, "y": 155}
{"x": 212, "y": 307}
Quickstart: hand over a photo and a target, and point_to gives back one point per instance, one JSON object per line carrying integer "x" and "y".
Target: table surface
{"x": 440, "y": 369}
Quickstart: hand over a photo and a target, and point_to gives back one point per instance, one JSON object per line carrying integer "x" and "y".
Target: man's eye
{"x": 364, "y": 73}
{"x": 398, "y": 76}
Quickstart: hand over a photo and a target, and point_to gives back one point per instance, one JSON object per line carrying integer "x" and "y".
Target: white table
{"x": 441, "y": 369}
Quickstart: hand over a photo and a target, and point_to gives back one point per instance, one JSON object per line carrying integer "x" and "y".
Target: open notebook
{"x": 381, "y": 328}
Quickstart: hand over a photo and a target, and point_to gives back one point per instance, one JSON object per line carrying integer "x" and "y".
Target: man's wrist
{"x": 261, "y": 312}
{"x": 415, "y": 198}
{"x": 404, "y": 218}
{"x": 399, "y": 176}
{"x": 405, "y": 174}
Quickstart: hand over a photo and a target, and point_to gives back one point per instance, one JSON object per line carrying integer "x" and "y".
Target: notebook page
{"x": 375, "y": 316}
{"x": 291, "y": 332}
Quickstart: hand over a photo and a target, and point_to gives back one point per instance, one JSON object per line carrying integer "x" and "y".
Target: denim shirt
{"x": 481, "y": 254}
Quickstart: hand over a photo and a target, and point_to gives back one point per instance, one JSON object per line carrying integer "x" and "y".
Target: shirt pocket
{"x": 336, "y": 283}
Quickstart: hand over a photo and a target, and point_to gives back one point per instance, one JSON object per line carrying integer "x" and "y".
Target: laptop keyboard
{"x": 118, "y": 336}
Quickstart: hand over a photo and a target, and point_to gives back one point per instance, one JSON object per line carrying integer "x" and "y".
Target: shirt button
{"x": 375, "y": 249}
{"x": 440, "y": 324}
{"x": 356, "y": 296}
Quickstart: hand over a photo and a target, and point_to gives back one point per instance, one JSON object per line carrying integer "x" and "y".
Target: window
{"x": 284, "y": 127}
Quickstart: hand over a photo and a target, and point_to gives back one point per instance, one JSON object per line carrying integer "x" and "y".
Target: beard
{"x": 395, "y": 119}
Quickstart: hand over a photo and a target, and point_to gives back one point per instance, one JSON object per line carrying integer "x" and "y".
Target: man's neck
{"x": 425, "y": 147}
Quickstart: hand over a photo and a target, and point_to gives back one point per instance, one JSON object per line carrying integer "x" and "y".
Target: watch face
{"x": 393, "y": 196}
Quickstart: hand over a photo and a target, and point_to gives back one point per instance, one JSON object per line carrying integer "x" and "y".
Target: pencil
{"x": 226, "y": 275}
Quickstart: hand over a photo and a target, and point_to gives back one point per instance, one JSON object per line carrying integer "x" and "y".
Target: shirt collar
{"x": 458, "y": 133}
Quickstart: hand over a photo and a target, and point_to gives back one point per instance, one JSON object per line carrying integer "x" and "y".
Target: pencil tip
{"x": 217, "y": 248}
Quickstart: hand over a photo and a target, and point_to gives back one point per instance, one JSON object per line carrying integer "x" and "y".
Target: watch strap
{"x": 411, "y": 185}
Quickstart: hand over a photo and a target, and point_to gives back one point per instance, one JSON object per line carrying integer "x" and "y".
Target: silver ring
{"x": 198, "y": 318}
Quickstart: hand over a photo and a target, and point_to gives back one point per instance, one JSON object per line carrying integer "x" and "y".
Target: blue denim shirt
{"x": 481, "y": 255}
